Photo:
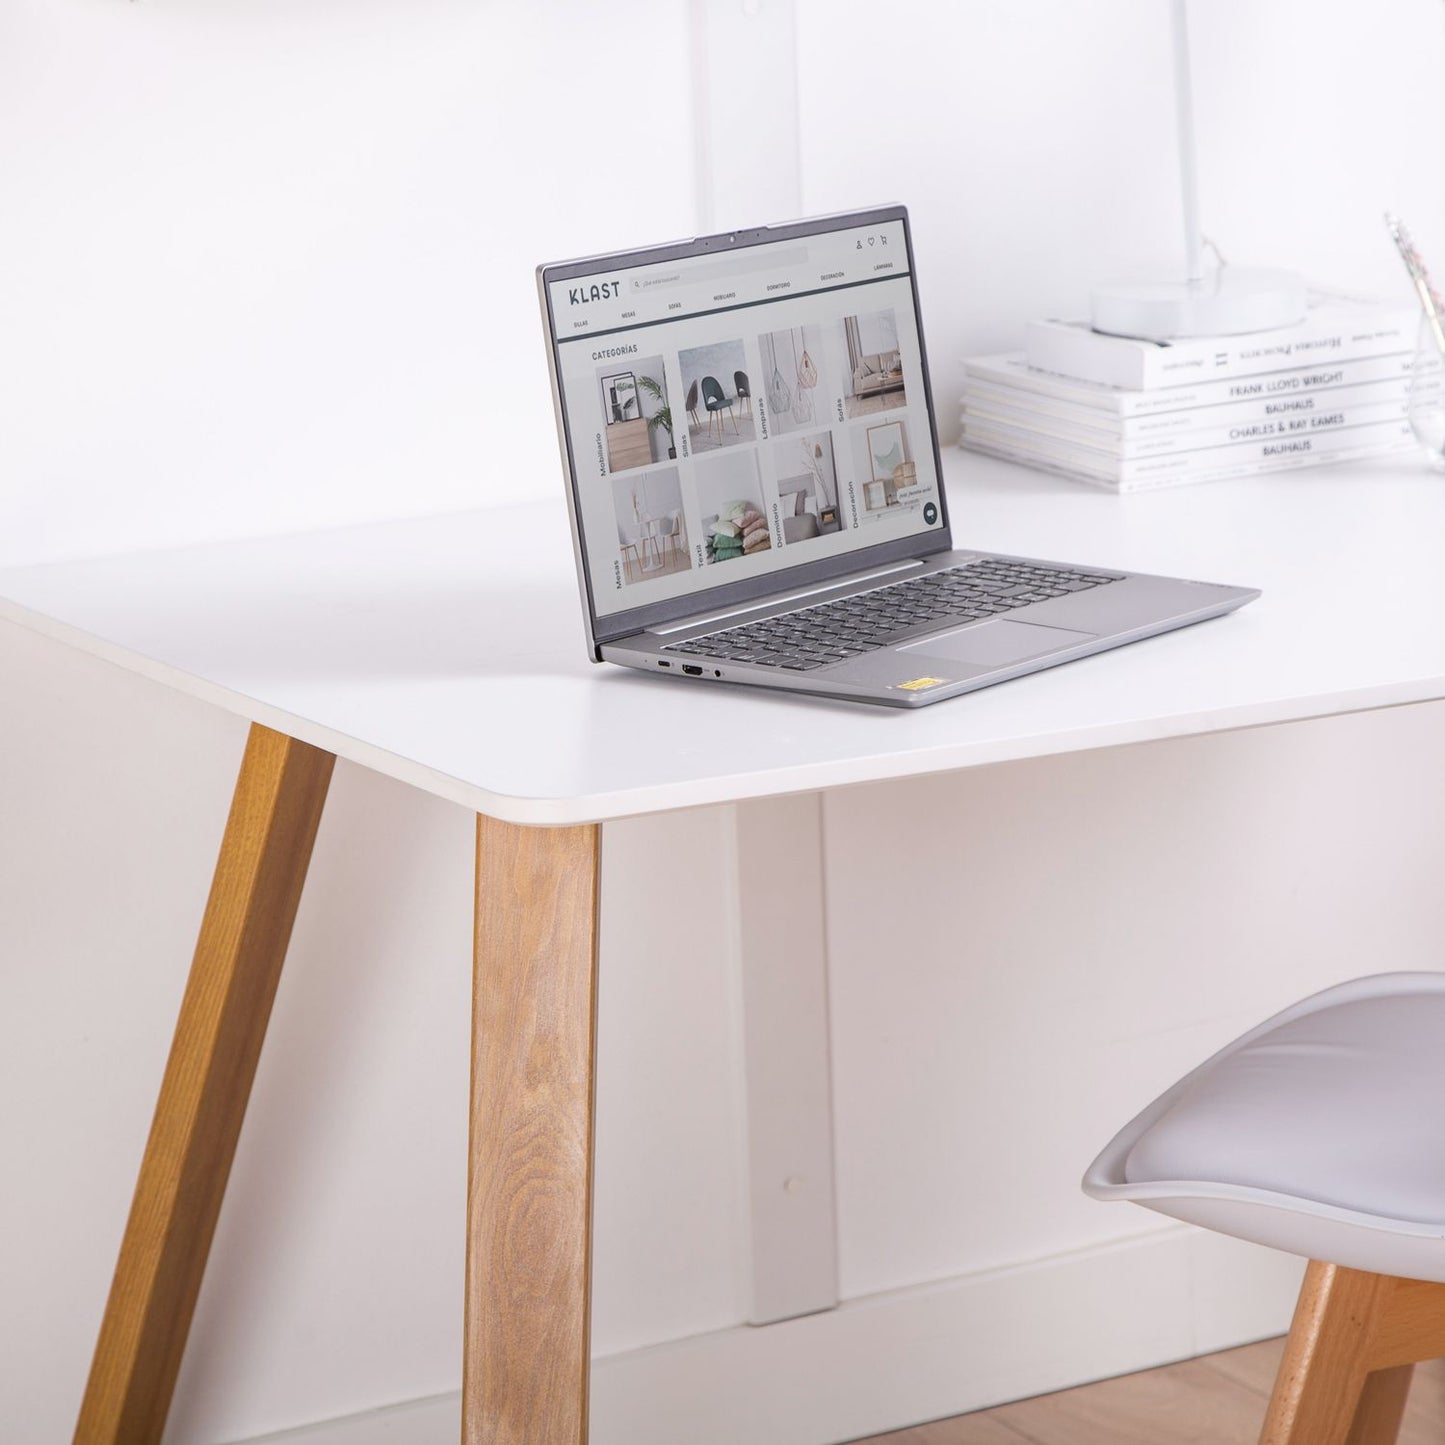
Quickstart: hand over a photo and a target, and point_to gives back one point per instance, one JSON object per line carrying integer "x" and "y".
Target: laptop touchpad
{"x": 991, "y": 644}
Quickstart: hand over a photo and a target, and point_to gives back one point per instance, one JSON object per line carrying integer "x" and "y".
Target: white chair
{"x": 671, "y": 528}
{"x": 627, "y": 540}
{"x": 1321, "y": 1132}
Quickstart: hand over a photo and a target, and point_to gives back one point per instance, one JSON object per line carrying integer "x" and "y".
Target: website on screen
{"x": 744, "y": 412}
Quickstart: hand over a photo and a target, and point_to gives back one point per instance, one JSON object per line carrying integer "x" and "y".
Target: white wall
{"x": 1021, "y": 957}
{"x": 268, "y": 266}
{"x": 263, "y": 262}
{"x": 1033, "y": 143}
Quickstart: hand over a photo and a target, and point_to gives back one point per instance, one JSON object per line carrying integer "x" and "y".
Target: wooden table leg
{"x": 247, "y": 925}
{"x": 529, "y": 1190}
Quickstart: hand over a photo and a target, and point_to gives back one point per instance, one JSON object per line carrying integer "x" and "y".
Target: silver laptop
{"x": 755, "y": 486}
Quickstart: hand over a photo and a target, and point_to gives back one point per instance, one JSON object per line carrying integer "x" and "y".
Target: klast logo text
{"x": 602, "y": 291}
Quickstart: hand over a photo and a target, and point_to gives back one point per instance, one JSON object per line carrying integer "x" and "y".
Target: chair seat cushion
{"x": 1322, "y": 1132}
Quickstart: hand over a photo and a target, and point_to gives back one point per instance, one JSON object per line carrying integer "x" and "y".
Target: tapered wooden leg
{"x": 1382, "y": 1407}
{"x": 529, "y": 1194}
{"x": 1322, "y": 1374}
{"x": 1355, "y": 1340}
{"x": 227, "y": 1003}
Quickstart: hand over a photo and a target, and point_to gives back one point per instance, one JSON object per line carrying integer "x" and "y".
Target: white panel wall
{"x": 268, "y": 266}
{"x": 1034, "y": 144}
{"x": 1024, "y": 956}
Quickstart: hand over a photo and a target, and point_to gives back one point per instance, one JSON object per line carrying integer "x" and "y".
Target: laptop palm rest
{"x": 992, "y": 644}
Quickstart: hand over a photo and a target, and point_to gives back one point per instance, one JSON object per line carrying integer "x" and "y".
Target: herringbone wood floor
{"x": 1217, "y": 1400}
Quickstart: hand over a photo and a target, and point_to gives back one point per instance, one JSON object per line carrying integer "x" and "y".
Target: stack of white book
{"x": 1130, "y": 415}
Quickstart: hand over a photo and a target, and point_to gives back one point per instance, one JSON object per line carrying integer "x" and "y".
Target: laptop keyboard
{"x": 832, "y": 632}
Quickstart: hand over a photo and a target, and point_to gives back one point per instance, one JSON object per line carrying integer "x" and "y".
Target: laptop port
{"x": 690, "y": 670}
{"x": 662, "y": 663}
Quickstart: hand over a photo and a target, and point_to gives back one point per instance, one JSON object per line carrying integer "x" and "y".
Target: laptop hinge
{"x": 783, "y": 598}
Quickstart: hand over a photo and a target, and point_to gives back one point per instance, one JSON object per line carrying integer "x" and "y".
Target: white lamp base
{"x": 1228, "y": 302}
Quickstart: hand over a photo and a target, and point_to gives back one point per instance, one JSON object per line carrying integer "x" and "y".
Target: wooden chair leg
{"x": 227, "y": 1003}
{"x": 1346, "y": 1370}
{"x": 1382, "y": 1407}
{"x": 1322, "y": 1375}
{"x": 529, "y": 1191}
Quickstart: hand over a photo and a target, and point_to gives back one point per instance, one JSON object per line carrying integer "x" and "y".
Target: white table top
{"x": 448, "y": 652}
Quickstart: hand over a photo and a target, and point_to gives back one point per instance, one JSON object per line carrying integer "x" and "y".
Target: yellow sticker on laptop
{"x": 919, "y": 683}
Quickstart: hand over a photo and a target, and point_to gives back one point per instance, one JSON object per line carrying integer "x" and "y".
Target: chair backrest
{"x": 740, "y": 383}
{"x": 692, "y": 397}
{"x": 712, "y": 392}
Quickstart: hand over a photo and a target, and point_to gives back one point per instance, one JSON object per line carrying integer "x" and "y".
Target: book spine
{"x": 1117, "y": 361}
{"x": 1272, "y": 449}
{"x": 1004, "y": 452}
{"x": 1015, "y": 374}
{"x": 1028, "y": 404}
{"x": 1203, "y": 465}
{"x": 1222, "y": 426}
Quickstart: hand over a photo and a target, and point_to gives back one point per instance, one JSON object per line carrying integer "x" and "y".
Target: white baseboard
{"x": 897, "y": 1359}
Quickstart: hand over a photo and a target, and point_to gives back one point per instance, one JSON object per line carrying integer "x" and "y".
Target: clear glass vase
{"x": 1425, "y": 405}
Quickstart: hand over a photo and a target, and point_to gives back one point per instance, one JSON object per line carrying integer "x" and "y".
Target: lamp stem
{"x": 1188, "y": 164}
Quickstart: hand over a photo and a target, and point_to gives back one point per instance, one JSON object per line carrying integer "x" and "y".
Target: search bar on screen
{"x": 718, "y": 270}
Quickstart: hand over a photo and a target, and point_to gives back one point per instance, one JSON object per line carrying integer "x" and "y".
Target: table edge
{"x": 568, "y": 810}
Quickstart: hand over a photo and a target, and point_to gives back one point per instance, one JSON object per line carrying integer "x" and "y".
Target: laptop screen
{"x": 741, "y": 412}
